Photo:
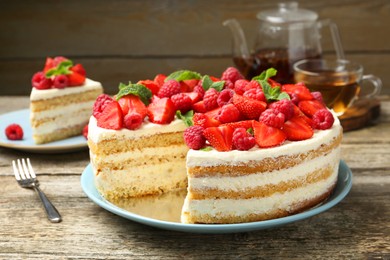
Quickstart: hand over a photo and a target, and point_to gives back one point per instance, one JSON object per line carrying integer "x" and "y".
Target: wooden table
{"x": 356, "y": 228}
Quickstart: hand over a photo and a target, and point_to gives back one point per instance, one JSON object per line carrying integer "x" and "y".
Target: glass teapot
{"x": 285, "y": 35}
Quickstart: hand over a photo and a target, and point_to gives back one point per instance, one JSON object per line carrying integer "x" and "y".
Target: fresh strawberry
{"x": 75, "y": 79}
{"x": 151, "y": 85}
{"x": 194, "y": 96}
{"x": 132, "y": 103}
{"x": 204, "y": 120}
{"x": 299, "y": 113}
{"x": 273, "y": 83}
{"x": 248, "y": 107}
{"x": 111, "y": 117}
{"x": 159, "y": 79}
{"x": 188, "y": 85}
{"x": 48, "y": 64}
{"x": 267, "y": 136}
{"x": 310, "y": 107}
{"x": 299, "y": 89}
{"x": 213, "y": 113}
{"x": 215, "y": 79}
{"x": 241, "y": 124}
{"x": 297, "y": 129}
{"x": 162, "y": 111}
{"x": 220, "y": 137}
{"x": 199, "y": 107}
{"x": 78, "y": 68}
{"x": 57, "y": 60}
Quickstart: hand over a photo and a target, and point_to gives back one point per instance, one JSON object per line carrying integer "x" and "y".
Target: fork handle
{"x": 51, "y": 211}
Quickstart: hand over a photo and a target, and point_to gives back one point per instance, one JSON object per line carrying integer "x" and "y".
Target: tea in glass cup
{"x": 339, "y": 81}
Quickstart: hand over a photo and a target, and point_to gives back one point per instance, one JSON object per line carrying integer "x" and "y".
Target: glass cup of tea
{"x": 339, "y": 81}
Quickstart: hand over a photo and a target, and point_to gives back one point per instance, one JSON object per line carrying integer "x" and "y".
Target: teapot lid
{"x": 286, "y": 13}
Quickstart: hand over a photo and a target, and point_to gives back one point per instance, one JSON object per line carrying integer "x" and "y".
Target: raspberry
{"x": 60, "y": 81}
{"x": 228, "y": 113}
{"x": 272, "y": 118}
{"x": 169, "y": 88}
{"x": 294, "y": 98}
{"x": 318, "y": 96}
{"x": 85, "y": 131}
{"x": 242, "y": 140}
{"x": 210, "y": 99}
{"x": 39, "y": 81}
{"x": 14, "y": 132}
{"x": 194, "y": 138}
{"x": 225, "y": 97}
{"x": 231, "y": 74}
{"x": 256, "y": 94}
{"x": 252, "y": 84}
{"x": 228, "y": 84}
{"x": 182, "y": 102}
{"x": 239, "y": 86}
{"x": 133, "y": 120}
{"x": 284, "y": 106}
{"x": 323, "y": 119}
{"x": 101, "y": 102}
{"x": 199, "y": 89}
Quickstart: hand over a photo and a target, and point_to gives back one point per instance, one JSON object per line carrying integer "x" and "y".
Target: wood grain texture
{"x": 132, "y": 40}
{"x": 356, "y": 228}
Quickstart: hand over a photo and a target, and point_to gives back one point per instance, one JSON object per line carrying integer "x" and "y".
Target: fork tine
{"x": 31, "y": 170}
{"x": 21, "y": 172}
{"x": 16, "y": 171}
{"x": 25, "y": 170}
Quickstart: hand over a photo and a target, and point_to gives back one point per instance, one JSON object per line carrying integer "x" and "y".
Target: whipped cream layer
{"x": 97, "y": 134}
{"x": 40, "y": 94}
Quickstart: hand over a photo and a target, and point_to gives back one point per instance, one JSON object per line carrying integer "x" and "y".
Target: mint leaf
{"x": 218, "y": 85}
{"x": 283, "y": 95}
{"x": 206, "y": 82}
{"x": 187, "y": 117}
{"x": 181, "y": 75}
{"x": 206, "y": 149}
{"x": 62, "y": 69}
{"x": 135, "y": 89}
{"x": 250, "y": 131}
{"x": 272, "y": 93}
{"x": 265, "y": 75}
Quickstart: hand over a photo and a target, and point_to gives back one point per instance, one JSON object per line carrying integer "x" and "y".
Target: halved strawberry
{"x": 195, "y": 96}
{"x": 310, "y": 107}
{"x": 299, "y": 113}
{"x": 78, "y": 68}
{"x": 299, "y": 89}
{"x": 132, "y": 103}
{"x": 75, "y": 79}
{"x": 161, "y": 111}
{"x": 267, "y": 136}
{"x": 273, "y": 83}
{"x": 213, "y": 113}
{"x": 297, "y": 129}
{"x": 48, "y": 64}
{"x": 111, "y": 117}
{"x": 159, "y": 79}
{"x": 151, "y": 85}
{"x": 215, "y": 79}
{"x": 220, "y": 137}
{"x": 204, "y": 120}
{"x": 199, "y": 107}
{"x": 248, "y": 107}
{"x": 188, "y": 85}
{"x": 57, "y": 60}
{"x": 241, "y": 124}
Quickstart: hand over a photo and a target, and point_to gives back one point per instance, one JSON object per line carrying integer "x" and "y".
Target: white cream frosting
{"x": 61, "y": 110}
{"x": 39, "y": 94}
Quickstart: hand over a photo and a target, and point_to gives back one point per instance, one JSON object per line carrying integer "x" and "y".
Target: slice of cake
{"x": 257, "y": 150}
{"x": 61, "y": 100}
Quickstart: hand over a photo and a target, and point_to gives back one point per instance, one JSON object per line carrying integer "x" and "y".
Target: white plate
{"x": 158, "y": 216}
{"x": 22, "y": 117}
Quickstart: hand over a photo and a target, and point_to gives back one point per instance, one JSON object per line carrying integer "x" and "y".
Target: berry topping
{"x": 248, "y": 107}
{"x": 231, "y": 74}
{"x": 188, "y": 85}
{"x": 204, "y": 120}
{"x": 317, "y": 96}
{"x": 39, "y": 81}
{"x": 285, "y": 107}
{"x": 199, "y": 107}
{"x": 169, "y": 88}
{"x": 225, "y": 97}
{"x": 310, "y": 107}
{"x": 60, "y": 81}
{"x": 194, "y": 96}
{"x": 299, "y": 89}
{"x": 151, "y": 85}
{"x": 241, "y": 124}
{"x": 85, "y": 131}
{"x": 182, "y": 102}
{"x": 210, "y": 99}
{"x": 297, "y": 129}
{"x": 111, "y": 116}
{"x": 161, "y": 111}
{"x": 228, "y": 113}
{"x": 131, "y": 103}
{"x": 268, "y": 136}
{"x": 14, "y": 132}
{"x": 101, "y": 102}
{"x": 323, "y": 119}
{"x": 256, "y": 94}
{"x": 159, "y": 79}
{"x": 199, "y": 89}
{"x": 220, "y": 137}
{"x": 78, "y": 68}
{"x": 228, "y": 84}
{"x": 271, "y": 117}
{"x": 194, "y": 138}
{"x": 133, "y": 120}
{"x": 239, "y": 86}
{"x": 242, "y": 140}
{"x": 252, "y": 84}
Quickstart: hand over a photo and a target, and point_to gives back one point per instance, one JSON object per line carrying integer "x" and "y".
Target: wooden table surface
{"x": 357, "y": 228}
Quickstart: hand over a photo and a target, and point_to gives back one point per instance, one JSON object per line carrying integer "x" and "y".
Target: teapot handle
{"x": 334, "y": 30}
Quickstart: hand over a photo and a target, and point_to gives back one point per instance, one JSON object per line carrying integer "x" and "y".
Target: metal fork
{"x": 26, "y": 178}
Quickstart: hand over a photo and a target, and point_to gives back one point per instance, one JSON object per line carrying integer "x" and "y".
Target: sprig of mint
{"x": 135, "y": 89}
{"x": 271, "y": 93}
{"x": 207, "y": 83}
{"x": 61, "y": 69}
{"x": 181, "y": 75}
{"x": 187, "y": 117}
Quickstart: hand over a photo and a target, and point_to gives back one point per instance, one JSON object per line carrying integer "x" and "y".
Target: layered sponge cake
{"x": 245, "y": 150}
{"x": 61, "y": 100}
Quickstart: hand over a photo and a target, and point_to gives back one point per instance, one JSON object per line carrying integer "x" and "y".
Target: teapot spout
{"x": 240, "y": 47}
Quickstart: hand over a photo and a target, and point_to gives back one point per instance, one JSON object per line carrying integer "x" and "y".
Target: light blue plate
{"x": 22, "y": 117}
{"x": 344, "y": 184}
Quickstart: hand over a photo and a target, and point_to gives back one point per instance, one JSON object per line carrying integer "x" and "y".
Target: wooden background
{"x": 119, "y": 40}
